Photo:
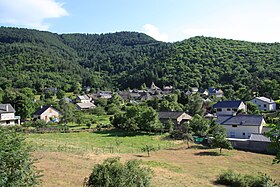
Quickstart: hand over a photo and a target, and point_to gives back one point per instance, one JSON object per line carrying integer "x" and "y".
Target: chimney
{"x": 7, "y": 107}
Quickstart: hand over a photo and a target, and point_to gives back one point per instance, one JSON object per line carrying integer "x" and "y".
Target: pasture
{"x": 66, "y": 159}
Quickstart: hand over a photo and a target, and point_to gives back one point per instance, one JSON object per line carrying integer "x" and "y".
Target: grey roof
{"x": 4, "y": 107}
{"x": 85, "y": 105}
{"x": 265, "y": 99}
{"x": 171, "y": 115}
{"x": 259, "y": 138}
{"x": 245, "y": 120}
{"x": 227, "y": 104}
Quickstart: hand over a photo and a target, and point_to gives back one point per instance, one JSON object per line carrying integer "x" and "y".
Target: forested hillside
{"x": 36, "y": 59}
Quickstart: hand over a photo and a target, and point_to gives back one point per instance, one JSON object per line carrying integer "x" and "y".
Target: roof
{"x": 259, "y": 138}
{"x": 171, "y": 115}
{"x": 85, "y": 105}
{"x": 42, "y": 109}
{"x": 4, "y": 107}
{"x": 265, "y": 99}
{"x": 83, "y": 97}
{"x": 227, "y": 104}
{"x": 245, "y": 120}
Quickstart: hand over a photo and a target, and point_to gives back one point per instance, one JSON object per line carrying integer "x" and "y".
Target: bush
{"x": 231, "y": 178}
{"x": 17, "y": 167}
{"x": 113, "y": 173}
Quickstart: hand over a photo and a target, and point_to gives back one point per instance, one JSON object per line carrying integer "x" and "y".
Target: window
{"x": 8, "y": 122}
{"x": 235, "y": 109}
{"x": 264, "y": 105}
{"x": 228, "y": 109}
{"x": 234, "y": 125}
{"x": 219, "y": 110}
{"x": 232, "y": 134}
{"x": 243, "y": 133}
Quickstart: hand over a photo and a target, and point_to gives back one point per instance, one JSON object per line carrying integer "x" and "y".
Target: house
{"x": 85, "y": 106}
{"x": 167, "y": 89}
{"x": 229, "y": 107}
{"x": 241, "y": 126}
{"x": 47, "y": 113}
{"x": 83, "y": 99}
{"x": 104, "y": 94}
{"x": 216, "y": 92}
{"x": 7, "y": 115}
{"x": 154, "y": 87}
{"x": 264, "y": 104}
{"x": 177, "y": 117}
{"x": 194, "y": 90}
{"x": 204, "y": 92}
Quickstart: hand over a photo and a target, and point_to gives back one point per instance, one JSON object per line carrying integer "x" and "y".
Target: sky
{"x": 164, "y": 20}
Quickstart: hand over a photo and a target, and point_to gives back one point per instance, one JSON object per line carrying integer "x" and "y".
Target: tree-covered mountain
{"x": 36, "y": 59}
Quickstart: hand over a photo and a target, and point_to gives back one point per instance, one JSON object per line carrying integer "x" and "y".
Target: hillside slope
{"x": 36, "y": 59}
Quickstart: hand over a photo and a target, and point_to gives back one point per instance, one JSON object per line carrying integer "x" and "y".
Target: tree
{"x": 274, "y": 135}
{"x": 16, "y": 163}
{"x": 219, "y": 138}
{"x": 24, "y": 106}
{"x": 148, "y": 149}
{"x": 187, "y": 137}
{"x": 195, "y": 105}
{"x": 252, "y": 108}
{"x": 137, "y": 118}
{"x": 199, "y": 125}
{"x": 60, "y": 94}
{"x": 113, "y": 173}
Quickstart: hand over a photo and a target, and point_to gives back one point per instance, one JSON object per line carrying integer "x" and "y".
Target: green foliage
{"x": 148, "y": 149}
{"x": 37, "y": 60}
{"x": 113, "y": 173}
{"x": 274, "y": 135}
{"x": 252, "y": 108}
{"x": 231, "y": 178}
{"x": 137, "y": 118}
{"x": 99, "y": 111}
{"x": 199, "y": 125}
{"x": 219, "y": 138}
{"x": 17, "y": 166}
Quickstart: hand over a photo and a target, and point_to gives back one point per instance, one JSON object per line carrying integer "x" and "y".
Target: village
{"x": 245, "y": 131}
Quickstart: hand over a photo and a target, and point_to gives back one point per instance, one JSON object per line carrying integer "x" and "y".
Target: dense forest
{"x": 38, "y": 60}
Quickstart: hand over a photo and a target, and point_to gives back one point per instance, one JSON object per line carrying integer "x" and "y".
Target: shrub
{"x": 17, "y": 166}
{"x": 113, "y": 173}
{"x": 231, "y": 178}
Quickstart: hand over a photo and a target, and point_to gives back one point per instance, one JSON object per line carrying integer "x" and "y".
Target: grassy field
{"x": 110, "y": 141}
{"x": 173, "y": 164}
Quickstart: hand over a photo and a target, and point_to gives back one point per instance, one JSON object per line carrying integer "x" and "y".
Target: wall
{"x": 240, "y": 129}
{"x": 48, "y": 114}
{"x": 7, "y": 116}
{"x": 264, "y": 105}
{"x": 254, "y": 146}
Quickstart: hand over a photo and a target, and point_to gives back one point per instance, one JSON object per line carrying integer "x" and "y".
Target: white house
{"x": 229, "y": 107}
{"x": 216, "y": 92}
{"x": 242, "y": 126}
{"x": 47, "y": 113}
{"x": 7, "y": 115}
{"x": 264, "y": 104}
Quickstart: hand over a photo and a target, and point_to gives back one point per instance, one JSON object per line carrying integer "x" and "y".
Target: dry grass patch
{"x": 179, "y": 167}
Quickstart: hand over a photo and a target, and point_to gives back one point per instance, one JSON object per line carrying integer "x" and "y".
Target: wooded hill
{"x": 36, "y": 59}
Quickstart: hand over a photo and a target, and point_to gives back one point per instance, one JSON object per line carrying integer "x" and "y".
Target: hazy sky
{"x": 165, "y": 20}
